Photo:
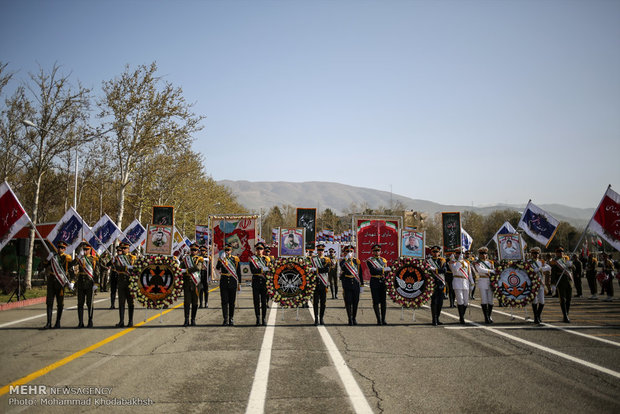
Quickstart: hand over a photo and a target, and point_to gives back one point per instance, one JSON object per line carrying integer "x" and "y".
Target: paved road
{"x": 408, "y": 366}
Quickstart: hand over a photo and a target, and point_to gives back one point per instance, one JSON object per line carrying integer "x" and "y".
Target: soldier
{"x": 561, "y": 280}
{"x": 470, "y": 259}
{"x": 333, "y": 273}
{"x": 86, "y": 261}
{"x": 577, "y": 272}
{"x": 123, "y": 264}
{"x": 104, "y": 274}
{"x": 191, "y": 265}
{"x": 377, "y": 266}
{"x": 438, "y": 270}
{"x": 541, "y": 270}
{"x": 259, "y": 266}
{"x": 607, "y": 268}
{"x": 320, "y": 265}
{"x": 462, "y": 282}
{"x": 590, "y": 266}
{"x": 57, "y": 278}
{"x": 205, "y": 275}
{"x": 352, "y": 280}
{"x": 484, "y": 268}
{"x": 450, "y": 290}
{"x": 228, "y": 266}
{"x": 114, "y": 278}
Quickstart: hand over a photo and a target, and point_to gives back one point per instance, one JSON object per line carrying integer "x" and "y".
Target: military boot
{"x": 121, "y": 317}
{"x": 80, "y": 318}
{"x": 48, "y": 325}
{"x": 130, "y": 322}
{"x": 58, "y": 316}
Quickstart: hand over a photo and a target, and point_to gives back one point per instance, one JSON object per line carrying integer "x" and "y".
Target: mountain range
{"x": 257, "y": 195}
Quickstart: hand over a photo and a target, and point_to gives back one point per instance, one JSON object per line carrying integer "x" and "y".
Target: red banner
{"x": 376, "y": 231}
{"x": 606, "y": 220}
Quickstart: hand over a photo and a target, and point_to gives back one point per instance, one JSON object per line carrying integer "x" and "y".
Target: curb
{"x": 22, "y": 303}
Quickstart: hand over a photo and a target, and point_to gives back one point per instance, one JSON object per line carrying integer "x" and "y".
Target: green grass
{"x": 34, "y": 292}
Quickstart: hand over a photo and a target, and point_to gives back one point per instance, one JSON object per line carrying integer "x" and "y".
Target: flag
{"x": 12, "y": 215}
{"x": 505, "y": 229}
{"x": 275, "y": 234}
{"x": 538, "y": 224}
{"x": 105, "y": 232}
{"x": 606, "y": 219}
{"x": 69, "y": 229}
{"x": 202, "y": 235}
{"x": 466, "y": 239}
{"x": 135, "y": 234}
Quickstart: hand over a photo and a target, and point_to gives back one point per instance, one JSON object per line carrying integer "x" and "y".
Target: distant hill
{"x": 338, "y": 197}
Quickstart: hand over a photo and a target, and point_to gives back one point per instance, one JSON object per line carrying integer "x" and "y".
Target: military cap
{"x": 194, "y": 246}
{"x": 320, "y": 246}
{"x": 435, "y": 248}
{"x": 260, "y": 244}
{"x": 376, "y": 247}
{"x": 483, "y": 250}
{"x": 535, "y": 250}
{"x": 227, "y": 246}
{"x": 267, "y": 248}
{"x": 122, "y": 245}
{"x": 61, "y": 244}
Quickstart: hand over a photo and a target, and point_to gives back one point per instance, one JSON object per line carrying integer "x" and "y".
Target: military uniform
{"x": 591, "y": 266}
{"x": 333, "y": 274}
{"x": 484, "y": 268}
{"x": 114, "y": 279}
{"x": 541, "y": 269}
{"x": 462, "y": 282}
{"x": 229, "y": 283}
{"x": 561, "y": 279}
{"x": 322, "y": 265}
{"x": 123, "y": 264}
{"x": 607, "y": 267}
{"x": 56, "y": 284}
{"x": 259, "y": 266}
{"x": 377, "y": 266}
{"x": 191, "y": 265}
{"x": 87, "y": 264}
{"x": 438, "y": 270}
{"x": 205, "y": 275}
{"x": 351, "y": 278}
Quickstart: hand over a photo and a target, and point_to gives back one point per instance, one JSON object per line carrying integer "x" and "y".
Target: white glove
{"x": 183, "y": 270}
{"x": 130, "y": 267}
{"x": 265, "y": 268}
{"x": 81, "y": 253}
{"x": 361, "y": 289}
{"x": 71, "y": 284}
{"x": 387, "y": 269}
{"x": 95, "y": 287}
{"x": 553, "y": 290}
{"x": 313, "y": 269}
{"x": 349, "y": 256}
{"x": 222, "y": 255}
{"x": 50, "y": 257}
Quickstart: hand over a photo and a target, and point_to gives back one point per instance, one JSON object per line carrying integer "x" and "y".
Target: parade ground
{"x": 292, "y": 366}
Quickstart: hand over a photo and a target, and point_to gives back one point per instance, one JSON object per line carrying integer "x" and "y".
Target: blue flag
{"x": 538, "y": 224}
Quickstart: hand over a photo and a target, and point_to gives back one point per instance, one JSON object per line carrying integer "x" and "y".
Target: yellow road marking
{"x": 81, "y": 352}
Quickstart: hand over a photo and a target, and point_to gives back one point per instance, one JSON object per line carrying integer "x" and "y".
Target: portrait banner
{"x": 412, "y": 243}
{"x": 291, "y": 242}
{"x": 202, "y": 235}
{"x": 509, "y": 246}
{"x": 159, "y": 240}
{"x": 163, "y": 215}
{"x": 451, "y": 229}
{"x": 382, "y": 230}
{"x": 240, "y": 231}
{"x": 306, "y": 218}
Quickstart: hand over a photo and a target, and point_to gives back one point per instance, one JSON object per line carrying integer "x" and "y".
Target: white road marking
{"x": 258, "y": 395}
{"x": 543, "y": 348}
{"x": 40, "y": 315}
{"x": 358, "y": 400}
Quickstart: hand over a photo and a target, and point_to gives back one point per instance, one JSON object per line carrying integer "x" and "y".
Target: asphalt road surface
{"x": 291, "y": 366}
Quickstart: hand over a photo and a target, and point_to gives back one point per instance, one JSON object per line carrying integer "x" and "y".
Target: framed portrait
{"x": 412, "y": 243}
{"x": 163, "y": 215}
{"x": 509, "y": 246}
{"x": 159, "y": 239}
{"x": 371, "y": 230}
{"x": 451, "y": 229}
{"x": 291, "y": 241}
{"x": 306, "y": 218}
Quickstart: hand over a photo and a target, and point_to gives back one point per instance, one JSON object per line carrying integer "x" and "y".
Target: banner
{"x": 104, "y": 232}
{"x": 538, "y": 224}
{"x": 135, "y": 235}
{"x": 509, "y": 247}
{"x": 382, "y": 230}
{"x": 505, "y": 229}
{"x": 240, "y": 231}
{"x": 69, "y": 229}
{"x": 291, "y": 241}
{"x": 412, "y": 243}
{"x": 306, "y": 218}
{"x": 606, "y": 219}
{"x": 159, "y": 240}
{"x": 466, "y": 240}
{"x": 203, "y": 236}
{"x": 451, "y": 225}
{"x": 12, "y": 215}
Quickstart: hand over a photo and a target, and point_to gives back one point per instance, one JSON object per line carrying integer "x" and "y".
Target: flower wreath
{"x": 171, "y": 291}
{"x": 305, "y": 290}
{"x": 504, "y": 298}
{"x": 422, "y": 268}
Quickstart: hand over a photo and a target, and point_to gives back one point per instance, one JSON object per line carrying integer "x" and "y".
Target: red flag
{"x": 12, "y": 215}
{"x": 606, "y": 219}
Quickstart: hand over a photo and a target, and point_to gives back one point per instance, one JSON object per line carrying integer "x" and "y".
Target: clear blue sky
{"x": 456, "y": 102}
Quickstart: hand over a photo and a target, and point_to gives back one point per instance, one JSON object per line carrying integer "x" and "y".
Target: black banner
{"x": 306, "y": 218}
{"x": 451, "y": 224}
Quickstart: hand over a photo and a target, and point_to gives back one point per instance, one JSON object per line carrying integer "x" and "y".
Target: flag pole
{"x": 590, "y": 222}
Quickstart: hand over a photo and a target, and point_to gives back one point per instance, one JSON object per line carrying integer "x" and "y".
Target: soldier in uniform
{"x": 352, "y": 280}
{"x": 333, "y": 273}
{"x": 86, "y": 262}
{"x": 591, "y": 266}
{"x": 561, "y": 280}
{"x": 607, "y": 267}
{"x": 541, "y": 270}
{"x": 191, "y": 265}
{"x": 377, "y": 266}
{"x": 228, "y": 266}
{"x": 122, "y": 266}
{"x": 56, "y": 282}
{"x": 259, "y": 266}
{"x": 321, "y": 266}
{"x": 462, "y": 283}
{"x": 205, "y": 275}
{"x": 484, "y": 268}
{"x": 450, "y": 290}
{"x": 114, "y": 278}
{"x": 438, "y": 270}
{"x": 104, "y": 273}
